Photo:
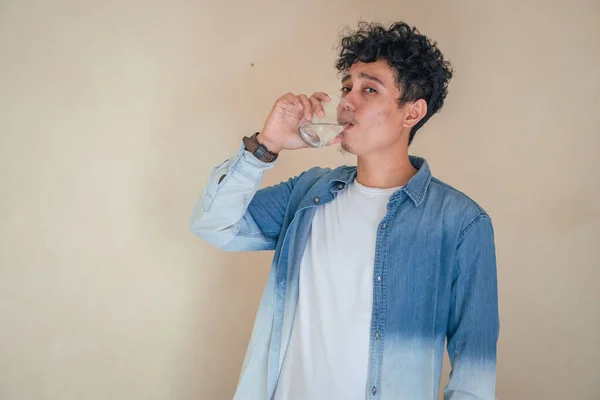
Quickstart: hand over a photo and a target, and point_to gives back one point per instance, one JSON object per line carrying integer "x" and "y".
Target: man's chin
{"x": 345, "y": 149}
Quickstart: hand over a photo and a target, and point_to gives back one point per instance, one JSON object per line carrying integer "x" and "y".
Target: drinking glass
{"x": 321, "y": 130}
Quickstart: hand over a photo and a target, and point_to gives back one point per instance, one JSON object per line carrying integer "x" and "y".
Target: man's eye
{"x": 346, "y": 90}
{"x": 370, "y": 90}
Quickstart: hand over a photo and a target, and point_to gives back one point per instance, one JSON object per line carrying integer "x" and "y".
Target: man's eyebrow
{"x": 364, "y": 75}
{"x": 371, "y": 78}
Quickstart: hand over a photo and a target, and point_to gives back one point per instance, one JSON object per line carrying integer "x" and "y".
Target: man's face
{"x": 371, "y": 91}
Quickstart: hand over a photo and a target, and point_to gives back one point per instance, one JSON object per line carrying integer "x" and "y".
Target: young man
{"x": 375, "y": 266}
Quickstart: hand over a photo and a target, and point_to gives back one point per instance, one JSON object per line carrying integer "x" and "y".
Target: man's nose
{"x": 346, "y": 109}
{"x": 350, "y": 98}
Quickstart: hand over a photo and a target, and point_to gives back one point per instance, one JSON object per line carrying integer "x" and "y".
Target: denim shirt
{"x": 434, "y": 277}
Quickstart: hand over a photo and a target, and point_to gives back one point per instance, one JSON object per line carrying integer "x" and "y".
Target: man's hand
{"x": 281, "y": 127}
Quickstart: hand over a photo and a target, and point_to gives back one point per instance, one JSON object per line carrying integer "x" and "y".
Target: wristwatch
{"x": 258, "y": 150}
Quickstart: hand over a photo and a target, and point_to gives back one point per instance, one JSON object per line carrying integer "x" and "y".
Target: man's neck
{"x": 388, "y": 170}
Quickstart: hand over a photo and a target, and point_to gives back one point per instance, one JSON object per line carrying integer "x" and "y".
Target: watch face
{"x": 260, "y": 152}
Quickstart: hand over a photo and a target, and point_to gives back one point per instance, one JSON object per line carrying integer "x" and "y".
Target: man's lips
{"x": 349, "y": 126}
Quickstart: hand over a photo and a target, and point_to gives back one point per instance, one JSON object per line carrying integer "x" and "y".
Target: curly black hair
{"x": 420, "y": 69}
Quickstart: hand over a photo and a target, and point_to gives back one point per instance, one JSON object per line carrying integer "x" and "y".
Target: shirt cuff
{"x": 249, "y": 165}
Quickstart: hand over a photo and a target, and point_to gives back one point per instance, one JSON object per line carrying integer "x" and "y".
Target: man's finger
{"x": 317, "y": 106}
{"x": 307, "y": 107}
{"x": 321, "y": 96}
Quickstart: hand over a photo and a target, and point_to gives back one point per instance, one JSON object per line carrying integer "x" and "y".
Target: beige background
{"x": 113, "y": 112}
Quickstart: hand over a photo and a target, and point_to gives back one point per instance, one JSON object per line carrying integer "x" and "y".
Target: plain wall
{"x": 112, "y": 114}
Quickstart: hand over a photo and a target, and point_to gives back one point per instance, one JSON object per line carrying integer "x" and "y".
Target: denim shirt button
{"x": 378, "y": 278}
{"x": 317, "y": 199}
{"x": 383, "y": 226}
{"x": 377, "y": 335}
{"x": 341, "y": 186}
{"x": 374, "y": 391}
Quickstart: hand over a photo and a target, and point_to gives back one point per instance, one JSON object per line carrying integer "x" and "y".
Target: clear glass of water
{"x": 321, "y": 130}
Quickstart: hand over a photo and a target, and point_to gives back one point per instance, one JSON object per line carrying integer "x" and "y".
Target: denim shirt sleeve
{"x": 233, "y": 214}
{"x": 473, "y": 326}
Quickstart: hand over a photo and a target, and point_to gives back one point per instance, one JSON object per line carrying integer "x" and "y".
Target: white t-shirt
{"x": 328, "y": 352}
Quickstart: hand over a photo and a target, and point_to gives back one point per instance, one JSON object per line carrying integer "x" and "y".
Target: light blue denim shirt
{"x": 434, "y": 277}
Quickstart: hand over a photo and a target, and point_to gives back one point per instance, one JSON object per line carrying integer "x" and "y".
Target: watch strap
{"x": 258, "y": 150}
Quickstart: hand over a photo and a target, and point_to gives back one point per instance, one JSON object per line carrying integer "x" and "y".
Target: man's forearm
{"x": 223, "y": 204}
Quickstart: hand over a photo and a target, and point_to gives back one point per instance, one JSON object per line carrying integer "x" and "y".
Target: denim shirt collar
{"x": 416, "y": 188}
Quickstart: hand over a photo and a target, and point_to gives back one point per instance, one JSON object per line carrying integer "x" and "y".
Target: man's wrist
{"x": 258, "y": 150}
{"x": 268, "y": 144}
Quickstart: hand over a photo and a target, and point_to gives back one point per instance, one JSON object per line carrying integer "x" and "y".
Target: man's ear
{"x": 415, "y": 112}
